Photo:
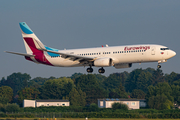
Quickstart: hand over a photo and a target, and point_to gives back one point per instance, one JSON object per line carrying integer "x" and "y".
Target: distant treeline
{"x": 160, "y": 90}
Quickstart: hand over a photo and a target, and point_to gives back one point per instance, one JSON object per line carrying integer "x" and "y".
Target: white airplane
{"x": 117, "y": 56}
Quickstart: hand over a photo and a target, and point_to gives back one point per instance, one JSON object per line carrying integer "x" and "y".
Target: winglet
{"x": 25, "y": 28}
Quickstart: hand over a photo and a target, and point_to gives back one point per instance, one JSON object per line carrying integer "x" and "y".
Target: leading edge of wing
{"x": 22, "y": 54}
{"x": 72, "y": 56}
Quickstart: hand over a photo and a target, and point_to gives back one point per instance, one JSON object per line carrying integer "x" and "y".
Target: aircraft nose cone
{"x": 173, "y": 53}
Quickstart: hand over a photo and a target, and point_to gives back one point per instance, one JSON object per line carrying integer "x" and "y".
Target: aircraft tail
{"x": 34, "y": 47}
{"x": 32, "y": 43}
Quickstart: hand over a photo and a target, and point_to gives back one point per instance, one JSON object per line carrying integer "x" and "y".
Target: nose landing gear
{"x": 159, "y": 66}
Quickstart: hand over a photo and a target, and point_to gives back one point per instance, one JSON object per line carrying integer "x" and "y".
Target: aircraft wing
{"x": 73, "y": 57}
{"x": 22, "y": 54}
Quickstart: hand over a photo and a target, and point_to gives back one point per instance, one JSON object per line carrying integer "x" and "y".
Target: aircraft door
{"x": 102, "y": 54}
{"x": 153, "y": 50}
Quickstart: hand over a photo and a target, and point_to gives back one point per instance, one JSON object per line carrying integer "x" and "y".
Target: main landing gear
{"x": 90, "y": 70}
{"x": 101, "y": 70}
{"x": 159, "y": 66}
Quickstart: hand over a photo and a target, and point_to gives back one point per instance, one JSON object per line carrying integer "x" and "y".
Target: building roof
{"x": 120, "y": 99}
{"x": 52, "y": 100}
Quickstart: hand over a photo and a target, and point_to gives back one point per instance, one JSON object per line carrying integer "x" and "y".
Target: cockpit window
{"x": 164, "y": 48}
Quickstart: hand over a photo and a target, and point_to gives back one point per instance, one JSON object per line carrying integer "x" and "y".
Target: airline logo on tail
{"x": 33, "y": 45}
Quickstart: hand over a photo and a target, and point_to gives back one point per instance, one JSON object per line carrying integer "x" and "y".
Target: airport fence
{"x": 88, "y": 114}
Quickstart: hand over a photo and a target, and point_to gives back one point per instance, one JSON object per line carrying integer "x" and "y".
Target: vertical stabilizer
{"x": 31, "y": 41}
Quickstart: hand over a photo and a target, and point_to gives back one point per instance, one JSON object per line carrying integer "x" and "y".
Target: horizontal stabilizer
{"x": 22, "y": 54}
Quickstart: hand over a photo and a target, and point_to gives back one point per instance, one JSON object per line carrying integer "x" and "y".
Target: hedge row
{"x": 90, "y": 115}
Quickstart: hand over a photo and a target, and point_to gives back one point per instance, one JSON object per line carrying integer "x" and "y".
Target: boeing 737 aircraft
{"x": 117, "y": 56}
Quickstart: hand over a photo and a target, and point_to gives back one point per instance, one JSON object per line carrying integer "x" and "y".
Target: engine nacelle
{"x": 126, "y": 65}
{"x": 103, "y": 62}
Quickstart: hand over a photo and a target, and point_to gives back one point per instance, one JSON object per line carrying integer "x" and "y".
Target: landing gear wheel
{"x": 159, "y": 66}
{"x": 101, "y": 70}
{"x": 89, "y": 70}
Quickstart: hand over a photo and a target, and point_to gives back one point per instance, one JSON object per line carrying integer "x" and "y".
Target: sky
{"x": 75, "y": 24}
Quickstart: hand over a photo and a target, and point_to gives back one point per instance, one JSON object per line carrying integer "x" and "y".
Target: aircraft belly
{"x": 133, "y": 58}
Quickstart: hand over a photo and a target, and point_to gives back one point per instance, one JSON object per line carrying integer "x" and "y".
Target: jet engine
{"x": 103, "y": 62}
{"x": 125, "y": 65}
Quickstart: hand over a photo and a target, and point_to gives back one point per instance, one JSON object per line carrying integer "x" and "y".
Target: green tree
{"x": 6, "y": 94}
{"x": 143, "y": 81}
{"x": 160, "y": 97}
{"x": 160, "y": 102}
{"x": 74, "y": 97}
{"x": 121, "y": 92}
{"x": 137, "y": 93}
{"x": 131, "y": 82}
{"x": 150, "y": 70}
{"x": 75, "y": 75}
{"x": 89, "y": 85}
{"x": 139, "y": 79}
{"x": 113, "y": 80}
{"x": 56, "y": 88}
{"x": 176, "y": 93}
{"x": 12, "y": 108}
{"x": 82, "y": 94}
{"x": 157, "y": 77}
{"x": 177, "y": 82}
{"x": 151, "y": 92}
{"x": 100, "y": 80}
{"x": 2, "y": 82}
{"x": 164, "y": 88}
{"x": 118, "y": 92}
{"x": 28, "y": 93}
{"x": 119, "y": 106}
{"x": 2, "y": 107}
{"x": 16, "y": 81}
{"x": 37, "y": 82}
{"x": 170, "y": 78}
{"x": 93, "y": 107}
{"x": 113, "y": 94}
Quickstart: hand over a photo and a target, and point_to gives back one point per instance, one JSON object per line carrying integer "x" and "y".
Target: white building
{"x": 38, "y": 103}
{"x": 131, "y": 103}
